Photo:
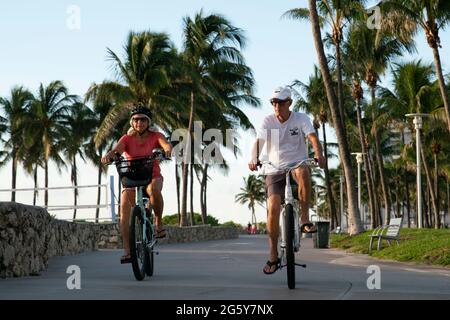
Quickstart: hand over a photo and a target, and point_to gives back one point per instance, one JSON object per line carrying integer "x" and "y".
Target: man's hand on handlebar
{"x": 320, "y": 160}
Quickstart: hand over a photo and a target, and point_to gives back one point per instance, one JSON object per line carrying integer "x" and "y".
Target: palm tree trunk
{"x": 427, "y": 206}
{"x": 177, "y": 180}
{"x": 14, "y": 175}
{"x": 372, "y": 169}
{"x": 330, "y": 198}
{"x": 379, "y": 157}
{"x": 187, "y": 157}
{"x": 35, "y": 176}
{"x": 99, "y": 189}
{"x": 408, "y": 204}
{"x": 46, "y": 183}
{"x": 448, "y": 198}
{"x": 405, "y": 177}
{"x": 74, "y": 182}
{"x": 339, "y": 83}
{"x": 430, "y": 187}
{"x": 203, "y": 193}
{"x": 440, "y": 76}
{"x": 192, "y": 195}
{"x": 397, "y": 199}
{"x": 366, "y": 164}
{"x": 436, "y": 191}
{"x": 355, "y": 221}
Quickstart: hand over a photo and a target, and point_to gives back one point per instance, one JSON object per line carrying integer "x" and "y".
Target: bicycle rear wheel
{"x": 137, "y": 246}
{"x": 290, "y": 257}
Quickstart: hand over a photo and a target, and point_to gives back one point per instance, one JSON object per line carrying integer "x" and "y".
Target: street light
{"x": 418, "y": 125}
{"x": 359, "y": 160}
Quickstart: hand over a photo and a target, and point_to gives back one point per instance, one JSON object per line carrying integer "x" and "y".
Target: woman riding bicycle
{"x": 140, "y": 141}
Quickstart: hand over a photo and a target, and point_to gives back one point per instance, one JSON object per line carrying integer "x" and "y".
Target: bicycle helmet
{"x": 140, "y": 109}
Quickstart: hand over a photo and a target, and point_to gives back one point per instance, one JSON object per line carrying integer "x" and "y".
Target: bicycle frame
{"x": 142, "y": 203}
{"x": 289, "y": 199}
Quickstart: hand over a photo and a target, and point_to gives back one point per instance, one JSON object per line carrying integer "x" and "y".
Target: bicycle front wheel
{"x": 137, "y": 246}
{"x": 290, "y": 257}
{"x": 148, "y": 255}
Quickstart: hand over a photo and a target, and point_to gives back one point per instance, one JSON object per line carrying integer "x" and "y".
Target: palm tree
{"x": 355, "y": 221}
{"x": 413, "y": 92}
{"x": 253, "y": 193}
{"x": 47, "y": 113}
{"x": 15, "y": 109}
{"x": 211, "y": 47}
{"x": 432, "y": 16}
{"x": 81, "y": 124}
{"x": 372, "y": 51}
{"x": 334, "y": 13}
{"x": 142, "y": 77}
{"x": 317, "y": 104}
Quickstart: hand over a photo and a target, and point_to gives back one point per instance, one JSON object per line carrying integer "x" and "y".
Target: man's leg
{"x": 273, "y": 226}
{"x": 157, "y": 201}
{"x": 303, "y": 179}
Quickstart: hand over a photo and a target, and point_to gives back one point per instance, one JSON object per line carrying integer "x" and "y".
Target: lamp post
{"x": 359, "y": 161}
{"x": 418, "y": 125}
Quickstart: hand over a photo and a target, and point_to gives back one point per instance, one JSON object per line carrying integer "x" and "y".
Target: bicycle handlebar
{"x": 309, "y": 162}
{"x": 157, "y": 155}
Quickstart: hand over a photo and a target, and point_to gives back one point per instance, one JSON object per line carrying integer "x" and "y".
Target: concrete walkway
{"x": 231, "y": 269}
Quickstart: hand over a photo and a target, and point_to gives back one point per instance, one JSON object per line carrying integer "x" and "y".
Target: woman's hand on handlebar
{"x": 110, "y": 157}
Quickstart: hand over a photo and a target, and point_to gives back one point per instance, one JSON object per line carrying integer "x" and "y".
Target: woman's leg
{"x": 127, "y": 202}
{"x": 157, "y": 201}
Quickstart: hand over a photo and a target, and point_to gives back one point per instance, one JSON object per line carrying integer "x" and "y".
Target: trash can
{"x": 320, "y": 238}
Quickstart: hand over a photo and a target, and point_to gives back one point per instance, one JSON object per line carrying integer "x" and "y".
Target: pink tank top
{"x": 135, "y": 149}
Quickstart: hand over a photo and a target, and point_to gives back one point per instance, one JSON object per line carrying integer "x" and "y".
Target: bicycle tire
{"x": 149, "y": 256}
{"x": 137, "y": 249}
{"x": 290, "y": 256}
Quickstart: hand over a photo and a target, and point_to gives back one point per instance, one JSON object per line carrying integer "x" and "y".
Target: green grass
{"x": 427, "y": 246}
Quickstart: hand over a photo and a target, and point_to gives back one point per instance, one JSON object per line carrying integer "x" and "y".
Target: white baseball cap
{"x": 281, "y": 93}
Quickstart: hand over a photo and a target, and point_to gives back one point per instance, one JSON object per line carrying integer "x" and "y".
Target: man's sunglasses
{"x": 275, "y": 101}
{"x": 142, "y": 119}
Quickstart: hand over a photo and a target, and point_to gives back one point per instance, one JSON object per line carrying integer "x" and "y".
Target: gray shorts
{"x": 276, "y": 184}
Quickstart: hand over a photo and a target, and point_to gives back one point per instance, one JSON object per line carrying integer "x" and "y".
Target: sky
{"x": 48, "y": 40}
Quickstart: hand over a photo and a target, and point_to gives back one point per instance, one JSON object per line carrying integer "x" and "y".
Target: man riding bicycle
{"x": 139, "y": 142}
{"x": 285, "y": 132}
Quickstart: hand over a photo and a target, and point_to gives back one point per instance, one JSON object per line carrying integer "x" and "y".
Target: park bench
{"x": 387, "y": 232}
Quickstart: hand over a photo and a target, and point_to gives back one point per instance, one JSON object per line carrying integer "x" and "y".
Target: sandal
{"x": 125, "y": 259}
{"x": 308, "y": 227}
{"x": 271, "y": 264}
{"x": 161, "y": 234}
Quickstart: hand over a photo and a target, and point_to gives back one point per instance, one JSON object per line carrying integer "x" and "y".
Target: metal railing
{"x": 108, "y": 204}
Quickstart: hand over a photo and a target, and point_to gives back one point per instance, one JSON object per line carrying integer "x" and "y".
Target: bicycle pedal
{"x": 301, "y": 265}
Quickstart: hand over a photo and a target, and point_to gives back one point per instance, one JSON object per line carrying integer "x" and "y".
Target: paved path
{"x": 230, "y": 269}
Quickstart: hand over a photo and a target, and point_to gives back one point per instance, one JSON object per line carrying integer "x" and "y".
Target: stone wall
{"x": 29, "y": 237}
